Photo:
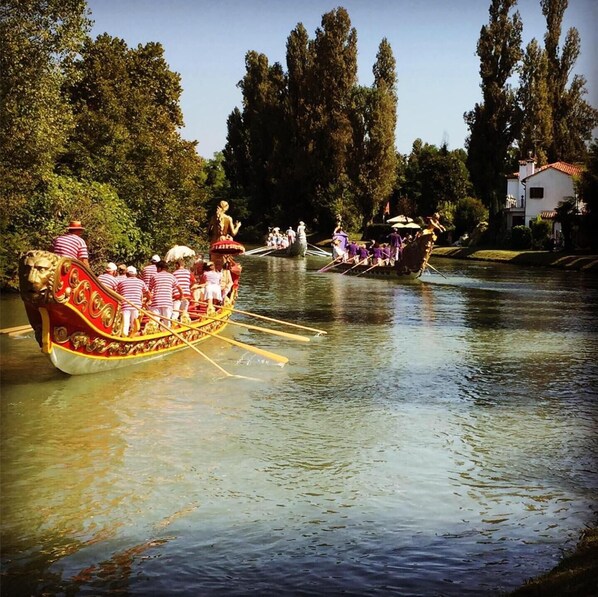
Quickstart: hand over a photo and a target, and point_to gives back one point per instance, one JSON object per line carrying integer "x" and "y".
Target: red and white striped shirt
{"x": 185, "y": 278}
{"x": 132, "y": 289}
{"x": 70, "y": 245}
{"x": 162, "y": 286}
{"x": 149, "y": 271}
{"x": 108, "y": 280}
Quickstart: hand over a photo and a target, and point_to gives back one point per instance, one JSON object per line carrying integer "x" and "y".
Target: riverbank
{"x": 576, "y": 575}
{"x": 571, "y": 261}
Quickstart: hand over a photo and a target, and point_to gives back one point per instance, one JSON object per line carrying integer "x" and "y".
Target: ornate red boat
{"x": 78, "y": 322}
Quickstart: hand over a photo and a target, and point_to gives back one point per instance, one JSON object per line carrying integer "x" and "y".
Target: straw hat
{"x": 75, "y": 225}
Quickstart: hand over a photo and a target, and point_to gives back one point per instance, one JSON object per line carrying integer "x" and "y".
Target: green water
{"x": 438, "y": 440}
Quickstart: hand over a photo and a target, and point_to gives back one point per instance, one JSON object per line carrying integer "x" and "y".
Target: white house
{"x": 535, "y": 192}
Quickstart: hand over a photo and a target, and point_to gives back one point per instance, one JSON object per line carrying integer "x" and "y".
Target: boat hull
{"x": 411, "y": 264}
{"x": 388, "y": 272}
{"x": 78, "y": 322}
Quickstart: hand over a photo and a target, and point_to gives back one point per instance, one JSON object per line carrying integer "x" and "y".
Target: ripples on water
{"x": 439, "y": 440}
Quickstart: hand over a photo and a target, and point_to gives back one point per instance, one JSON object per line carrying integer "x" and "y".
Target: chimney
{"x": 530, "y": 166}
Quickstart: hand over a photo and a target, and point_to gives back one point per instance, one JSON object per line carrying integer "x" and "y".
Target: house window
{"x": 536, "y": 193}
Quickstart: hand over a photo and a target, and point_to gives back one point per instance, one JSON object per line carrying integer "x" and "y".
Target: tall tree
{"x": 264, "y": 116}
{"x": 588, "y": 193}
{"x": 126, "y": 106}
{"x": 302, "y": 91}
{"x": 573, "y": 119}
{"x": 536, "y": 109}
{"x": 492, "y": 123}
{"x": 374, "y": 154}
{"x": 38, "y": 40}
{"x": 335, "y": 70}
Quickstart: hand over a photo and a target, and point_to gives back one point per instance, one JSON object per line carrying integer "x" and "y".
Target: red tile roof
{"x": 570, "y": 169}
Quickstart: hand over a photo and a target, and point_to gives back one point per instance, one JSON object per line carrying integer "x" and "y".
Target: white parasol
{"x": 178, "y": 252}
{"x": 408, "y": 225}
{"x": 401, "y": 219}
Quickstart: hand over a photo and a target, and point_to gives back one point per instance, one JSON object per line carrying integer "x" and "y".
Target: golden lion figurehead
{"x": 36, "y": 275}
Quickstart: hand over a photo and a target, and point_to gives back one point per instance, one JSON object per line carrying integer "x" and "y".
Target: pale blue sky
{"x": 433, "y": 41}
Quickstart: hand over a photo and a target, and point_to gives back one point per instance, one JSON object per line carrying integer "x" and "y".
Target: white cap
{"x": 111, "y": 267}
{"x": 156, "y": 258}
{"x": 131, "y": 270}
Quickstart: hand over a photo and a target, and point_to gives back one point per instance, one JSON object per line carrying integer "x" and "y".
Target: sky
{"x": 433, "y": 42}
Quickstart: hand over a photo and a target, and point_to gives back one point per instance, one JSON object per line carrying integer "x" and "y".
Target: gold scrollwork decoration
{"x": 81, "y": 294}
{"x": 98, "y": 307}
{"x": 60, "y": 335}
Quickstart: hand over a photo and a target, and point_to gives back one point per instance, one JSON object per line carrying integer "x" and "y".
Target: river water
{"x": 438, "y": 440}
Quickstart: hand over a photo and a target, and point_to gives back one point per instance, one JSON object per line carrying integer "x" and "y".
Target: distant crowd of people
{"x": 282, "y": 240}
{"x": 165, "y": 293}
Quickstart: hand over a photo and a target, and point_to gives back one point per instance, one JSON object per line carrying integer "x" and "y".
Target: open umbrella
{"x": 178, "y": 252}
{"x": 227, "y": 247}
{"x": 412, "y": 225}
{"x": 401, "y": 219}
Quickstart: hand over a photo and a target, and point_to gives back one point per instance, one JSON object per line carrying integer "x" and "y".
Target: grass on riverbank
{"x": 573, "y": 261}
{"x": 575, "y": 576}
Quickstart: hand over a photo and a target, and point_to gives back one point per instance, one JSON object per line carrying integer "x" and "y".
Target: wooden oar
{"x": 16, "y": 329}
{"x": 367, "y": 270}
{"x": 358, "y": 263}
{"x": 433, "y": 268}
{"x": 332, "y": 264}
{"x": 253, "y": 251}
{"x": 265, "y": 330}
{"x": 205, "y": 356}
{"x": 281, "y": 321}
{"x": 265, "y": 353}
{"x": 318, "y": 249}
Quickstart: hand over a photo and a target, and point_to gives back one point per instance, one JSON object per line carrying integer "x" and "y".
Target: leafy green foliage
{"x": 127, "y": 114}
{"x": 541, "y": 231}
{"x": 91, "y": 130}
{"x": 469, "y": 212}
{"x": 434, "y": 176}
{"x": 310, "y": 141}
{"x": 588, "y": 193}
{"x": 573, "y": 119}
{"x": 536, "y": 110}
{"x": 521, "y": 238}
{"x": 492, "y": 122}
{"x": 566, "y": 214}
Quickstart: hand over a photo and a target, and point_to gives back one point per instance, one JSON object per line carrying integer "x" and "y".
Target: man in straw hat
{"x": 71, "y": 244}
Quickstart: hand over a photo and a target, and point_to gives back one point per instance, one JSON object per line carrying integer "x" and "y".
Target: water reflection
{"x": 438, "y": 440}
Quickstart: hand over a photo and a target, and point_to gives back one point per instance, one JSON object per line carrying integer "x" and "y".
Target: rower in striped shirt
{"x": 108, "y": 278}
{"x": 133, "y": 290}
{"x": 185, "y": 279}
{"x": 149, "y": 271}
{"x": 71, "y": 244}
{"x": 163, "y": 287}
